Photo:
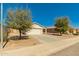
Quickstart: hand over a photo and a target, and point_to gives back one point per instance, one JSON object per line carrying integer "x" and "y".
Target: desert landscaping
{"x": 26, "y": 35}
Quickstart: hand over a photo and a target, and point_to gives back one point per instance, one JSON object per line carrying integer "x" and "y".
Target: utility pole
{"x": 1, "y": 25}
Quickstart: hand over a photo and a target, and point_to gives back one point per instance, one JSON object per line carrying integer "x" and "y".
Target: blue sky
{"x": 46, "y": 13}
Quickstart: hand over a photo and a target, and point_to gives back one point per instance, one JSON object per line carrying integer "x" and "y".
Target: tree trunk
{"x": 60, "y": 33}
{"x": 19, "y": 34}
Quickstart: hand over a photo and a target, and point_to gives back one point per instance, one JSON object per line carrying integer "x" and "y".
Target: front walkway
{"x": 44, "y": 48}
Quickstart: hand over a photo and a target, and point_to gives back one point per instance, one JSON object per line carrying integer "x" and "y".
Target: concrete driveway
{"x": 45, "y": 38}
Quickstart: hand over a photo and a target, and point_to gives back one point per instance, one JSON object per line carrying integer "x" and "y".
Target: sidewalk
{"x": 42, "y": 49}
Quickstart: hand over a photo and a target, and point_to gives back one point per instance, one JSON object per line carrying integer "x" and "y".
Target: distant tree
{"x": 19, "y": 19}
{"x": 62, "y": 24}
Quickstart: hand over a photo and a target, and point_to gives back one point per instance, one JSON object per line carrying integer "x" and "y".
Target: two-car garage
{"x": 36, "y": 29}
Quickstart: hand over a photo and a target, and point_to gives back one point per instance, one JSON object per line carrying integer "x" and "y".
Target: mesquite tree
{"x": 62, "y": 24}
{"x": 19, "y": 19}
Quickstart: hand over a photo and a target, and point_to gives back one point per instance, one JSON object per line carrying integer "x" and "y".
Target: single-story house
{"x": 76, "y": 31}
{"x": 36, "y": 29}
{"x": 73, "y": 30}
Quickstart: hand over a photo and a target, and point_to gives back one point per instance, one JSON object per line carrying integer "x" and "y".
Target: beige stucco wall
{"x": 35, "y": 31}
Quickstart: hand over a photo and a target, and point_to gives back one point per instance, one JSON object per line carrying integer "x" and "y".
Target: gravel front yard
{"x": 16, "y": 44}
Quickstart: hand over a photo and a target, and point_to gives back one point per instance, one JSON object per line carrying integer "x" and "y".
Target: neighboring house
{"x": 77, "y": 30}
{"x": 73, "y": 31}
{"x": 51, "y": 30}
